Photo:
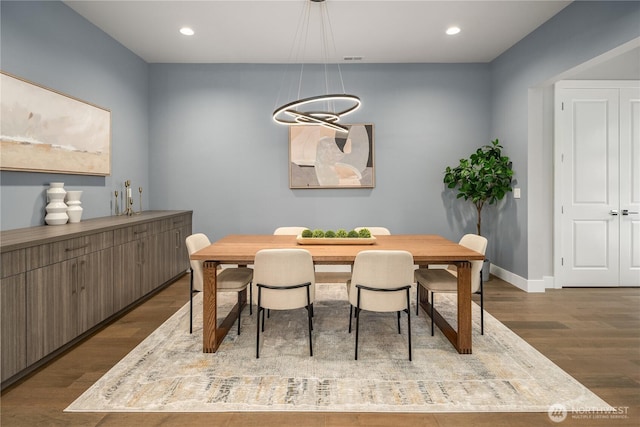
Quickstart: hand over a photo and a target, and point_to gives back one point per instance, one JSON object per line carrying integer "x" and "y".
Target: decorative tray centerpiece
{"x": 339, "y": 237}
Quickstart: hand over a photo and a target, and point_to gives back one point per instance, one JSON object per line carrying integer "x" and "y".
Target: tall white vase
{"x": 74, "y": 210}
{"x": 56, "y": 208}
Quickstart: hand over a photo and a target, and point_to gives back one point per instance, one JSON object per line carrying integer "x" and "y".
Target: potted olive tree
{"x": 485, "y": 177}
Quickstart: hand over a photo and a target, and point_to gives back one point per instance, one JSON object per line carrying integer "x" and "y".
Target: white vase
{"x": 74, "y": 210}
{"x": 56, "y": 208}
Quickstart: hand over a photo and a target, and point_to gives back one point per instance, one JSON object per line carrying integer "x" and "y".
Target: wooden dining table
{"x": 426, "y": 250}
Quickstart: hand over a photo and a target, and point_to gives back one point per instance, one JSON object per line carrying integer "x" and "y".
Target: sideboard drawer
{"x": 13, "y": 262}
{"x": 135, "y": 232}
{"x": 50, "y": 253}
{"x": 174, "y": 223}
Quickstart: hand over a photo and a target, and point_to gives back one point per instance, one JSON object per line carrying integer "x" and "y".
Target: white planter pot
{"x": 74, "y": 210}
{"x": 56, "y": 208}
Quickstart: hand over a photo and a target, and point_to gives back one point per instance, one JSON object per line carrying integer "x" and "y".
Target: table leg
{"x": 210, "y": 307}
{"x": 463, "y": 344}
{"x": 212, "y": 332}
{"x": 461, "y": 339}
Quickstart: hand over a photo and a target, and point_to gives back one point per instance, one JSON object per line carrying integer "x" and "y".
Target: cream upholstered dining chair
{"x": 232, "y": 279}
{"x": 376, "y": 231}
{"x": 287, "y": 231}
{"x": 291, "y": 231}
{"x": 381, "y": 281}
{"x": 285, "y": 280}
{"x": 446, "y": 280}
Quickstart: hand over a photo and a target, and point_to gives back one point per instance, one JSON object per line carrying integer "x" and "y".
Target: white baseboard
{"x": 549, "y": 282}
{"x": 531, "y": 286}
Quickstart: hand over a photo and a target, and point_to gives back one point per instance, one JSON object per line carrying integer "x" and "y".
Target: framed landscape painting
{"x": 42, "y": 130}
{"x": 320, "y": 157}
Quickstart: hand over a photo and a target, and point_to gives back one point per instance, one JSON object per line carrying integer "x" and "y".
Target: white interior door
{"x": 630, "y": 187}
{"x": 597, "y": 138}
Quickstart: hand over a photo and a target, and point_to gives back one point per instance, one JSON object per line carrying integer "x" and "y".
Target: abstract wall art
{"x": 320, "y": 157}
{"x": 42, "y": 130}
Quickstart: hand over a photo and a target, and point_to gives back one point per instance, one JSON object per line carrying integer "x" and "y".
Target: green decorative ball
{"x": 353, "y": 233}
{"x": 342, "y": 233}
{"x": 330, "y": 234}
{"x": 318, "y": 233}
{"x": 307, "y": 233}
{"x": 364, "y": 232}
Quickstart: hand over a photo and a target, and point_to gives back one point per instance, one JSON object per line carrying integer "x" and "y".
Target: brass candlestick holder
{"x": 140, "y": 191}
{"x": 129, "y": 210}
{"x": 125, "y": 207}
{"x": 116, "y": 211}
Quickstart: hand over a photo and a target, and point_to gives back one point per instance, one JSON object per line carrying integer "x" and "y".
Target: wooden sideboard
{"x": 60, "y": 283}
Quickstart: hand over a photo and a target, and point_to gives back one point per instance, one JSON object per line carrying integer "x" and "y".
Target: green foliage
{"x": 364, "y": 232}
{"x": 484, "y": 177}
{"x": 340, "y": 233}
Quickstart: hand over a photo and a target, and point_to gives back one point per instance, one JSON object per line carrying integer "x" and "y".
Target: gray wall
{"x": 51, "y": 45}
{"x": 577, "y": 34}
{"x": 216, "y": 150}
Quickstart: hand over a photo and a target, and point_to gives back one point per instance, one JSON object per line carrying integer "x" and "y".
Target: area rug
{"x": 168, "y": 372}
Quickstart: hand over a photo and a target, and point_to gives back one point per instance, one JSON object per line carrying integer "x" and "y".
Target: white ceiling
{"x": 264, "y": 31}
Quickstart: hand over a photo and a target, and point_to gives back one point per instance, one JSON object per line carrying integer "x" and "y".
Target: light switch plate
{"x": 516, "y": 193}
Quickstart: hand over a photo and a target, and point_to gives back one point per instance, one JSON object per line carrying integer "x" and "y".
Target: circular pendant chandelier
{"x": 321, "y": 110}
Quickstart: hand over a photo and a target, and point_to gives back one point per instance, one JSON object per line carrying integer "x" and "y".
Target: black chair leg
{"x": 250, "y": 299}
{"x": 191, "y": 303}
{"x": 258, "y": 309}
{"x": 310, "y": 310}
{"x": 350, "y": 315}
{"x": 239, "y": 312}
{"x": 310, "y": 316}
{"x": 409, "y": 321}
{"x": 357, "y": 322}
{"x": 417, "y": 297}
{"x": 399, "y": 323}
{"x": 433, "y": 302}
{"x": 481, "y": 306}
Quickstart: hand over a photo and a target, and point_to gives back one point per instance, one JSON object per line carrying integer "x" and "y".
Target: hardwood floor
{"x": 593, "y": 334}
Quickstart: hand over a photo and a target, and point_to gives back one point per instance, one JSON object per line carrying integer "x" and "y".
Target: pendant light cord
{"x": 320, "y": 110}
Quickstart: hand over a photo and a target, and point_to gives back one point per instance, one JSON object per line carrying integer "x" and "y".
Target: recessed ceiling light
{"x": 453, "y": 30}
{"x": 186, "y": 31}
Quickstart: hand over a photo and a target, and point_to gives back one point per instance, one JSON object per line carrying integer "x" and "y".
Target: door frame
{"x": 557, "y": 166}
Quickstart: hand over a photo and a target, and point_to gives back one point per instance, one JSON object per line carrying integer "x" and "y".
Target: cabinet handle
{"x": 83, "y": 269}
{"x": 627, "y": 212}
{"x": 75, "y": 249}
{"x": 74, "y": 278}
